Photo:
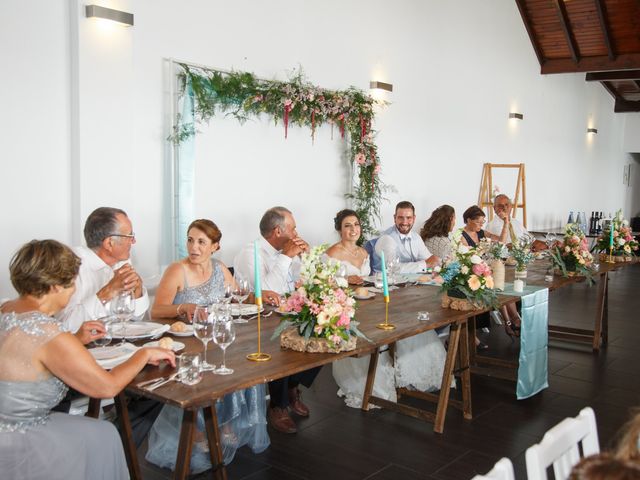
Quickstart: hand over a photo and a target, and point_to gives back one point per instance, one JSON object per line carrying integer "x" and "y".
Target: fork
{"x": 262, "y": 316}
{"x": 162, "y": 381}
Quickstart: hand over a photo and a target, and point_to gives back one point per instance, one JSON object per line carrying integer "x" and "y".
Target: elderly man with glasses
{"x": 106, "y": 269}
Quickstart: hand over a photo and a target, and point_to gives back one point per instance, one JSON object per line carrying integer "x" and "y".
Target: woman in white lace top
{"x": 435, "y": 231}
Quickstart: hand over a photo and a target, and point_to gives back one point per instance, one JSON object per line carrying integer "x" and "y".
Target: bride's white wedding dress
{"x": 419, "y": 362}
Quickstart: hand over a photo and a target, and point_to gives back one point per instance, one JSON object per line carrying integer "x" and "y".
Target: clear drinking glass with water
{"x": 108, "y": 323}
{"x": 224, "y": 333}
{"x": 203, "y": 321}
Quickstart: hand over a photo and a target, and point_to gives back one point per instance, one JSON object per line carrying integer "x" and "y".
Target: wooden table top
{"x": 403, "y": 307}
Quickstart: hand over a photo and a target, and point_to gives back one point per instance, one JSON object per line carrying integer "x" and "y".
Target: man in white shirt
{"x": 280, "y": 250}
{"x": 502, "y": 207}
{"x": 400, "y": 242}
{"x": 106, "y": 269}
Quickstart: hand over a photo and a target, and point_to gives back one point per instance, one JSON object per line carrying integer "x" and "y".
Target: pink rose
{"x": 344, "y": 320}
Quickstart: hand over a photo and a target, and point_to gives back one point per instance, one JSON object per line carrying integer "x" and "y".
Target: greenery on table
{"x": 242, "y": 95}
{"x": 571, "y": 255}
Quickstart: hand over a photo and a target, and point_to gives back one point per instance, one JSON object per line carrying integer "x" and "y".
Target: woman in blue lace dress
{"x": 38, "y": 359}
{"x": 199, "y": 280}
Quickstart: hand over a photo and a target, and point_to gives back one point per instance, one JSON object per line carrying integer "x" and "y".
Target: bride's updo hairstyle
{"x": 341, "y": 215}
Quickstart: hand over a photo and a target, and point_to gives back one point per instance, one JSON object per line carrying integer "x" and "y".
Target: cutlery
{"x": 149, "y": 382}
{"x": 162, "y": 381}
{"x": 261, "y": 315}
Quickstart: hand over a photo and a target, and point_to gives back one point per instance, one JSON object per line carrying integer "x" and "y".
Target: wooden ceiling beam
{"x": 566, "y": 28}
{"x": 623, "y": 105}
{"x": 604, "y": 26}
{"x": 609, "y": 88}
{"x": 600, "y": 63}
{"x": 638, "y": 83}
{"x": 527, "y": 25}
{"x": 613, "y": 75}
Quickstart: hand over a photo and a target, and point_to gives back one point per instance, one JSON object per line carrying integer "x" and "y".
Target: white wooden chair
{"x": 502, "y": 470}
{"x": 560, "y": 446}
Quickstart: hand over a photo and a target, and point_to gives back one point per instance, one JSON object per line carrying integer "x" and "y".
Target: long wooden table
{"x": 405, "y": 303}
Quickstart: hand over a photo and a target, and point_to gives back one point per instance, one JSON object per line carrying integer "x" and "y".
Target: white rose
{"x": 464, "y": 269}
{"x": 342, "y": 282}
{"x": 475, "y": 259}
{"x": 323, "y": 318}
{"x": 620, "y": 241}
{"x": 463, "y": 249}
{"x": 437, "y": 269}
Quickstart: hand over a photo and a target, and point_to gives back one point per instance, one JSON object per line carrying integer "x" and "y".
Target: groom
{"x": 280, "y": 250}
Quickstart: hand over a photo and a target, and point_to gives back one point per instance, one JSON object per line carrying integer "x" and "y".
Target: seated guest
{"x": 105, "y": 272}
{"x": 280, "y": 249}
{"x": 502, "y": 207}
{"x": 419, "y": 360}
{"x": 472, "y": 233}
{"x": 604, "y": 466}
{"x": 435, "y": 231}
{"x": 199, "y": 280}
{"x": 106, "y": 269}
{"x": 399, "y": 242}
{"x": 354, "y": 258}
{"x": 38, "y": 359}
{"x": 628, "y": 447}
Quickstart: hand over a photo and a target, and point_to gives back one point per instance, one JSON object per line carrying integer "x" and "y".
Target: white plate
{"x": 187, "y": 333}
{"x": 175, "y": 346}
{"x": 113, "y": 355}
{"x": 138, "y": 330}
{"x": 249, "y": 309}
{"x": 364, "y": 297}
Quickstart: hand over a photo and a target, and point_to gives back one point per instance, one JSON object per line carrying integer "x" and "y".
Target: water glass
{"x": 224, "y": 333}
{"x": 108, "y": 323}
{"x": 377, "y": 280}
{"x": 202, "y": 322}
{"x": 123, "y": 305}
{"x": 190, "y": 368}
{"x": 423, "y": 316}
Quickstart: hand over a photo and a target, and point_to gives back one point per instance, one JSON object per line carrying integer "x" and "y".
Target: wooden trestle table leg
{"x": 185, "y": 444}
{"x": 371, "y": 376}
{"x": 215, "y": 447}
{"x": 465, "y": 371}
{"x": 447, "y": 375}
{"x": 127, "y": 437}
{"x": 601, "y": 311}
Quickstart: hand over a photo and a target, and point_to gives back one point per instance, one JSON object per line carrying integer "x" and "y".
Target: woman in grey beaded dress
{"x": 435, "y": 231}
{"x": 38, "y": 359}
{"x": 196, "y": 280}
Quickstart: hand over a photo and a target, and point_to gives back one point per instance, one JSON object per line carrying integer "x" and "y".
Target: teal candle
{"x": 385, "y": 284}
{"x": 611, "y": 234}
{"x": 256, "y": 272}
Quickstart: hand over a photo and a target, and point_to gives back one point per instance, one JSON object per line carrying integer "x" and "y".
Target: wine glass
{"x": 342, "y": 272}
{"x": 240, "y": 293}
{"x": 203, "y": 322}
{"x": 108, "y": 324}
{"x": 550, "y": 239}
{"x": 123, "y": 306}
{"x": 224, "y": 333}
{"x": 227, "y": 294}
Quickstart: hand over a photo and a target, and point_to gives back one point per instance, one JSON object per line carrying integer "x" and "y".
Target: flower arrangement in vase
{"x": 522, "y": 253}
{"x": 571, "y": 256}
{"x": 495, "y": 253}
{"x": 321, "y": 309}
{"x": 625, "y": 247}
{"x": 466, "y": 276}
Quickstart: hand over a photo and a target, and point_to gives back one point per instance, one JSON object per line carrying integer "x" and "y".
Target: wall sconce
{"x": 95, "y": 11}
{"x": 374, "y": 84}
{"x": 518, "y": 116}
{"x": 592, "y": 131}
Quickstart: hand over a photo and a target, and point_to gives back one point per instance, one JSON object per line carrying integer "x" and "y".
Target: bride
{"x": 419, "y": 360}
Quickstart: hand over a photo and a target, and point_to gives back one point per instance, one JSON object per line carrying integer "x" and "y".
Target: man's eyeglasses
{"x": 131, "y": 235}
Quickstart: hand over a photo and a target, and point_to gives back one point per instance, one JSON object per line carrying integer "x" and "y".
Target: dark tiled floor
{"x": 338, "y": 442}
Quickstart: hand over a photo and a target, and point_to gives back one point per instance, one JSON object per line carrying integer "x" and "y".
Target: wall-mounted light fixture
{"x": 96, "y": 11}
{"x": 592, "y": 131}
{"x": 519, "y": 116}
{"x": 374, "y": 84}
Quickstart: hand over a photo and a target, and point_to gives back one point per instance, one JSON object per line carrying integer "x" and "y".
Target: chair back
{"x": 502, "y": 470}
{"x": 374, "y": 260}
{"x": 560, "y": 446}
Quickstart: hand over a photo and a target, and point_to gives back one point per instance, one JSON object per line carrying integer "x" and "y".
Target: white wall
{"x": 101, "y": 102}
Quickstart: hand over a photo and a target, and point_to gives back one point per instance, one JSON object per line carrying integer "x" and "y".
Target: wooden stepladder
{"x": 519, "y": 200}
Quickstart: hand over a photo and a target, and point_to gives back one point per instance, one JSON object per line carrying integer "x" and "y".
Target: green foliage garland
{"x": 298, "y": 102}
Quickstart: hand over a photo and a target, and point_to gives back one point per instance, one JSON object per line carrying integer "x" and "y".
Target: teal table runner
{"x": 532, "y": 369}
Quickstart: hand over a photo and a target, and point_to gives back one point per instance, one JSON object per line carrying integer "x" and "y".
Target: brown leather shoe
{"x": 280, "y": 420}
{"x": 295, "y": 402}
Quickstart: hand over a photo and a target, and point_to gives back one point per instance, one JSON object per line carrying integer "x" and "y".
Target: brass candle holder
{"x": 610, "y": 258}
{"x": 259, "y": 356}
{"x": 386, "y": 325}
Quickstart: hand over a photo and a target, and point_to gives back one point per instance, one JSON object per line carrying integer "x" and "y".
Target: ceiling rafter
{"x": 621, "y": 105}
{"x": 613, "y": 75}
{"x": 566, "y": 28}
{"x": 604, "y": 26}
{"x": 599, "y": 63}
{"x": 611, "y": 89}
{"x": 527, "y": 25}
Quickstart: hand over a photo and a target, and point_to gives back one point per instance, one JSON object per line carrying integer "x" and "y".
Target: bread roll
{"x": 165, "y": 342}
{"x": 362, "y": 292}
{"x": 178, "y": 327}
{"x": 424, "y": 278}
